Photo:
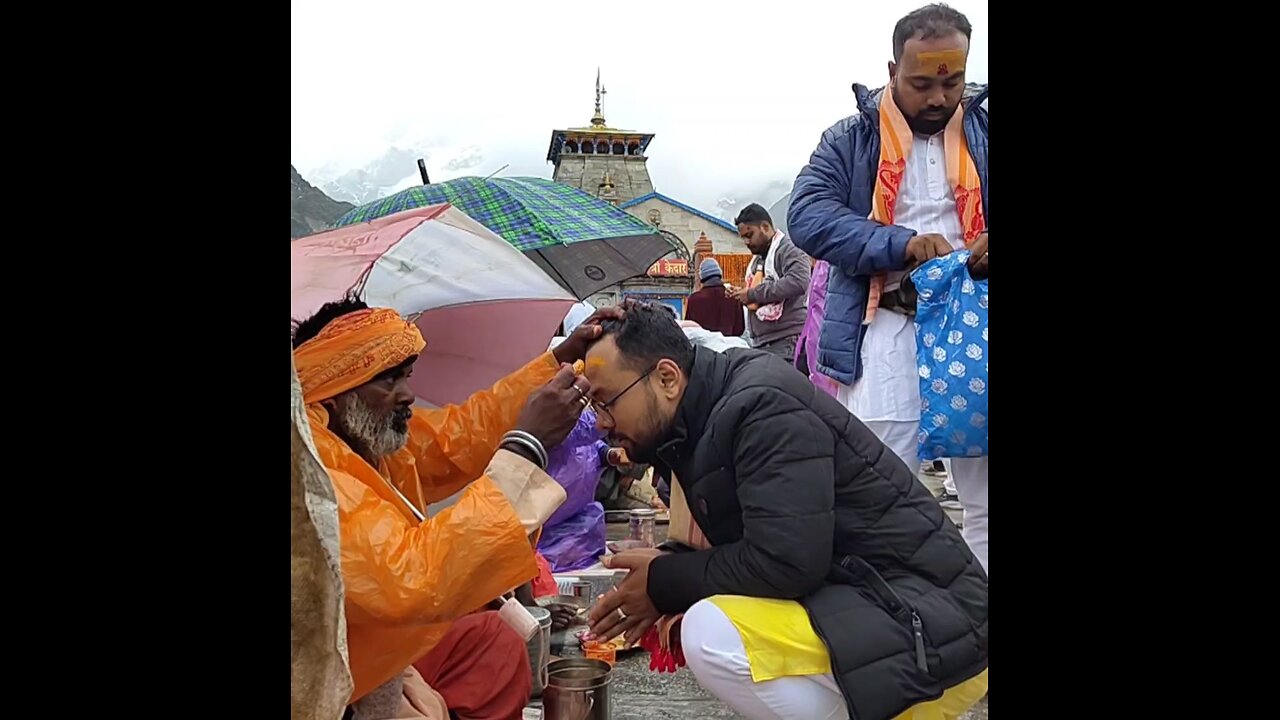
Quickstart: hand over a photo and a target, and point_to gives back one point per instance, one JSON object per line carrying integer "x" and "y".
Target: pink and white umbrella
{"x": 484, "y": 308}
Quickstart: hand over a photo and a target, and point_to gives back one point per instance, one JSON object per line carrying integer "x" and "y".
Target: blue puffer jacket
{"x": 828, "y": 219}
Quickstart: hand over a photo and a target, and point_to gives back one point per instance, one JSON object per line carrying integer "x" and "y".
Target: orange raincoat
{"x": 407, "y": 579}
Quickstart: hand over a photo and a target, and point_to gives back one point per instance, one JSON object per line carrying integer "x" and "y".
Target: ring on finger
{"x": 585, "y": 402}
{"x": 578, "y": 387}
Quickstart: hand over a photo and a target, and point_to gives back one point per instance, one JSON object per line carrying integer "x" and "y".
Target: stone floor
{"x": 638, "y": 694}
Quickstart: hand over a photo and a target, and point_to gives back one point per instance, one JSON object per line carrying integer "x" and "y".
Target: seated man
{"x": 830, "y": 583}
{"x": 408, "y": 577}
{"x": 623, "y": 484}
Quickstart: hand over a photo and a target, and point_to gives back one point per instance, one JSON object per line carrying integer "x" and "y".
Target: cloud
{"x": 736, "y": 96}
{"x": 471, "y": 158}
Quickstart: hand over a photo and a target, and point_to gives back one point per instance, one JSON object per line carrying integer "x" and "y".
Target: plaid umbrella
{"x": 582, "y": 242}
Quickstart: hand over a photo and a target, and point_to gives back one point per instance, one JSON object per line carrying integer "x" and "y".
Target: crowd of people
{"x": 817, "y": 576}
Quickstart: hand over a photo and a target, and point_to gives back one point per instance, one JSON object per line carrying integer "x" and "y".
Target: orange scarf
{"x": 962, "y": 174}
{"x": 354, "y": 349}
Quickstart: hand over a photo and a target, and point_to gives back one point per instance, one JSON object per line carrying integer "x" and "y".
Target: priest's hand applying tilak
{"x": 553, "y": 409}
{"x": 574, "y": 347}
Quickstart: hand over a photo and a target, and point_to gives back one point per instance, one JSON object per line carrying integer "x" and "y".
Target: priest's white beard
{"x": 375, "y": 433}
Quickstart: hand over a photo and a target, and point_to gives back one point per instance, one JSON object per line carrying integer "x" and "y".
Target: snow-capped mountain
{"x": 395, "y": 170}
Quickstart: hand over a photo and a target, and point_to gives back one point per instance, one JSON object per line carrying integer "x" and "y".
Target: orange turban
{"x": 354, "y": 349}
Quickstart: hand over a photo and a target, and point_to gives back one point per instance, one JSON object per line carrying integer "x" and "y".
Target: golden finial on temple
{"x": 597, "y": 120}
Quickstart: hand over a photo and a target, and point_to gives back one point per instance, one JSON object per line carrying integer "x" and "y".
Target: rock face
{"x": 310, "y": 210}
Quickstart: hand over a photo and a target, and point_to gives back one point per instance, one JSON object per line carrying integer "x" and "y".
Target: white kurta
{"x": 887, "y": 396}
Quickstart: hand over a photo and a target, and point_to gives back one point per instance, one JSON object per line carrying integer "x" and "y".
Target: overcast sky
{"x": 737, "y": 93}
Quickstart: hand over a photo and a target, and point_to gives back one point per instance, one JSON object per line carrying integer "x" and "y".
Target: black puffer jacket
{"x": 802, "y": 501}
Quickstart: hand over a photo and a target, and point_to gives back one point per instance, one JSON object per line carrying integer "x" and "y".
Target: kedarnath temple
{"x": 612, "y": 165}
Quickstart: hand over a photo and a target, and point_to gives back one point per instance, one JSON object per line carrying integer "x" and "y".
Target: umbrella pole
{"x": 422, "y": 170}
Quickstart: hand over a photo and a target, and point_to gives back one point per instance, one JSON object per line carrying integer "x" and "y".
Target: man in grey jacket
{"x": 777, "y": 284}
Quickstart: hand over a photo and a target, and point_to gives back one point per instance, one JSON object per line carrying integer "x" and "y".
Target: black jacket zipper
{"x": 881, "y": 587}
{"x": 917, "y": 628}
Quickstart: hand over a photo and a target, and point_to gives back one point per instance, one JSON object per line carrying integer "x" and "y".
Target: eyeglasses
{"x": 603, "y": 407}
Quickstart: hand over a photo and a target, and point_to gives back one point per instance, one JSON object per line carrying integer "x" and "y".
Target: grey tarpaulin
{"x": 320, "y": 680}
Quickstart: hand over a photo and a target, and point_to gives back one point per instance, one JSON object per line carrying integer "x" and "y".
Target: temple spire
{"x": 597, "y": 120}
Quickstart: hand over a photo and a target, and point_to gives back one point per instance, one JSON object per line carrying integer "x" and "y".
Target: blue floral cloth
{"x": 951, "y": 355}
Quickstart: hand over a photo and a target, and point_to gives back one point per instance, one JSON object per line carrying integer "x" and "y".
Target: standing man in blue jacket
{"x": 870, "y": 167}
